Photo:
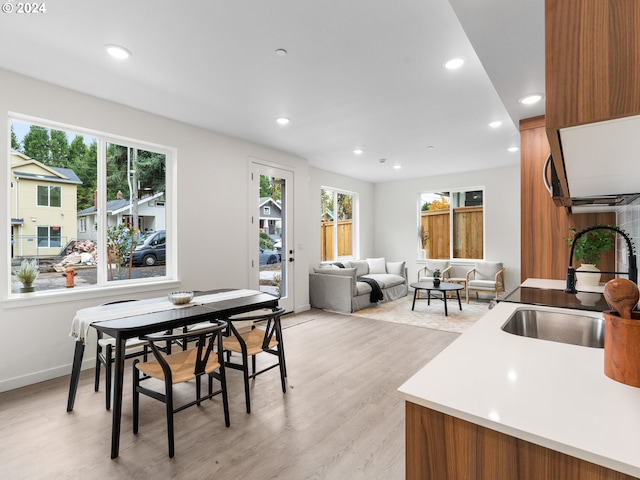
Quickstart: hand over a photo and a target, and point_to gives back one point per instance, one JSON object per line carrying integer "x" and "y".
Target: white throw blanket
{"x": 86, "y": 316}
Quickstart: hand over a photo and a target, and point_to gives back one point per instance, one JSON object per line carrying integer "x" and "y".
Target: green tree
{"x": 265, "y": 186}
{"x": 83, "y": 161}
{"x": 58, "y": 149}
{"x": 36, "y": 144}
{"x": 151, "y": 172}
{"x": 14, "y": 140}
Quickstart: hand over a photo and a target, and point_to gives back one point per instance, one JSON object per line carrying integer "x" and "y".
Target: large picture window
{"x": 454, "y": 223}
{"x": 337, "y": 224}
{"x": 87, "y": 200}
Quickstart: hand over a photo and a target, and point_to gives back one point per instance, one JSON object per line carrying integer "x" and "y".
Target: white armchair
{"x": 485, "y": 277}
{"x": 425, "y": 274}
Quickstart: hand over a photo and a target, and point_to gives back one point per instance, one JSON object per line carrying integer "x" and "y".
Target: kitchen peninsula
{"x": 500, "y": 406}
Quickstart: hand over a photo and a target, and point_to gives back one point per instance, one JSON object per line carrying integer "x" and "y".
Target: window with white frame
{"x": 452, "y": 223}
{"x": 266, "y": 210}
{"x": 85, "y": 198}
{"x": 49, "y": 196}
{"x": 337, "y": 224}
{"x": 49, "y": 237}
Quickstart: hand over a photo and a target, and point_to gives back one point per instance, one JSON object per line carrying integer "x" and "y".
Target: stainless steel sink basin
{"x": 557, "y": 327}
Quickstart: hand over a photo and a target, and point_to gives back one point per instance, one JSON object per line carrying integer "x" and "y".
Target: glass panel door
{"x": 275, "y": 253}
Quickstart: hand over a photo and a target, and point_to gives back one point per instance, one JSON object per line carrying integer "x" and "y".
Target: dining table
{"x": 123, "y": 321}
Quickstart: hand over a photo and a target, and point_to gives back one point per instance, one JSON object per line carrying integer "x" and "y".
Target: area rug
{"x": 428, "y": 316}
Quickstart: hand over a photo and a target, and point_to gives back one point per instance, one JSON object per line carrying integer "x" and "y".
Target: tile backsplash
{"x": 628, "y": 219}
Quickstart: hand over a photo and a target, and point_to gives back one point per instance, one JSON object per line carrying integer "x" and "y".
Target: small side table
{"x": 444, "y": 287}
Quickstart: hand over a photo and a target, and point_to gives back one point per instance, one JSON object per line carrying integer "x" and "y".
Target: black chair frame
{"x": 207, "y": 339}
{"x": 272, "y": 327}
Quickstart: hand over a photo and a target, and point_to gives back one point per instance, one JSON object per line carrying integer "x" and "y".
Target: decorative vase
{"x": 590, "y": 279}
{"x": 436, "y": 282}
{"x": 27, "y": 288}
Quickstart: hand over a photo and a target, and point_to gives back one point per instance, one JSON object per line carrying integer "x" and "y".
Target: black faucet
{"x": 571, "y": 272}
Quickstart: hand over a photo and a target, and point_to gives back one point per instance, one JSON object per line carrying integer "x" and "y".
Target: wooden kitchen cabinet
{"x": 592, "y": 61}
{"x": 543, "y": 225}
{"x": 441, "y": 446}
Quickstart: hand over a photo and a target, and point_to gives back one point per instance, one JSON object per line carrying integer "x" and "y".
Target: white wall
{"x": 212, "y": 172}
{"x": 396, "y": 216}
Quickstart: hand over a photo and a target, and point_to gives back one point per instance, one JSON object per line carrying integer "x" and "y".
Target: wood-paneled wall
{"x": 543, "y": 225}
{"x": 440, "y": 447}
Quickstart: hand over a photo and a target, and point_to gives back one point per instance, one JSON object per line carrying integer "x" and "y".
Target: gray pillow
{"x": 362, "y": 267}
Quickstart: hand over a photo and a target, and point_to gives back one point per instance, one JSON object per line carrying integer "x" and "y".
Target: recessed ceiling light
{"x": 495, "y": 124}
{"x": 283, "y": 120}
{"x": 397, "y": 167}
{"x": 430, "y": 147}
{"x": 116, "y": 51}
{"x": 454, "y": 63}
{"x": 358, "y": 151}
{"x": 281, "y": 52}
{"x": 530, "y": 99}
{"x": 513, "y": 149}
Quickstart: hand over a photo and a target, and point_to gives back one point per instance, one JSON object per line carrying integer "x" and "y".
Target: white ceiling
{"x": 359, "y": 73}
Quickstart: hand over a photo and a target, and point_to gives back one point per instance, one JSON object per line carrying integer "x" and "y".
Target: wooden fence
{"x": 468, "y": 232}
{"x": 345, "y": 239}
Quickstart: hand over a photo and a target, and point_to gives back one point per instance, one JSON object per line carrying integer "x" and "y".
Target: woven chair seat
{"x": 181, "y": 365}
{"x": 253, "y": 339}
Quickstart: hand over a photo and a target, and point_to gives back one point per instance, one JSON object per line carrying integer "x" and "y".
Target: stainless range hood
{"x": 601, "y": 163}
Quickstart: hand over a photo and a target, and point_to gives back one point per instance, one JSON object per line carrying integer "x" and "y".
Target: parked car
{"x": 278, "y": 248}
{"x": 268, "y": 257}
{"x": 151, "y": 249}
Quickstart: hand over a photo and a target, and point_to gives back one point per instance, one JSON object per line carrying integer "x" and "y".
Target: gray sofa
{"x": 338, "y": 289}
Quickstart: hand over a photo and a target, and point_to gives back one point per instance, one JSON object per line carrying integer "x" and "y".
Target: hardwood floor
{"x": 341, "y": 417}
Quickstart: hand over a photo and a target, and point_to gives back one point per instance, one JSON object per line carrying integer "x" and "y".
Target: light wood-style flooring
{"x": 341, "y": 417}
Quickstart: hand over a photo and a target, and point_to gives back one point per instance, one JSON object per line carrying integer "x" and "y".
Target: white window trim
{"x": 355, "y": 233}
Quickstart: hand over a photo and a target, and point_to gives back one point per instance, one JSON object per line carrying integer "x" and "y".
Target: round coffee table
{"x": 444, "y": 287}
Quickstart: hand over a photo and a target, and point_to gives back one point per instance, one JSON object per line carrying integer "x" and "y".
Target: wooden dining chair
{"x": 206, "y": 358}
{"x": 264, "y": 335}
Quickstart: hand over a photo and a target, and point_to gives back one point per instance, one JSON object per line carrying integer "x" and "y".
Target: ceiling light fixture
{"x": 283, "y": 120}
{"x": 495, "y": 124}
{"x": 358, "y": 151}
{"x": 513, "y": 149}
{"x": 530, "y": 99}
{"x": 454, "y": 63}
{"x": 397, "y": 167}
{"x": 116, "y": 51}
{"x": 281, "y": 52}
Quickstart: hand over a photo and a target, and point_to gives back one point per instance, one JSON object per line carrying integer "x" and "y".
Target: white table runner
{"x": 86, "y": 316}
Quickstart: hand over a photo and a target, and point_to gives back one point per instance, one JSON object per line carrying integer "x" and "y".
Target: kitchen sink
{"x": 557, "y": 327}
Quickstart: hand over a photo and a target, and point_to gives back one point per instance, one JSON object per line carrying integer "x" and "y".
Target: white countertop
{"x": 551, "y": 394}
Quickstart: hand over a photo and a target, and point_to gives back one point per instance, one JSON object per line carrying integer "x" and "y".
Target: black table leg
{"x": 118, "y": 374}
{"x": 75, "y": 373}
{"x": 415, "y": 292}
{"x": 459, "y": 303}
{"x": 444, "y": 299}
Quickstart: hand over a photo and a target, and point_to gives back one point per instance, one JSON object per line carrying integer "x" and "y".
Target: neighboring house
{"x": 43, "y": 207}
{"x": 151, "y": 215}
{"x": 270, "y": 216}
